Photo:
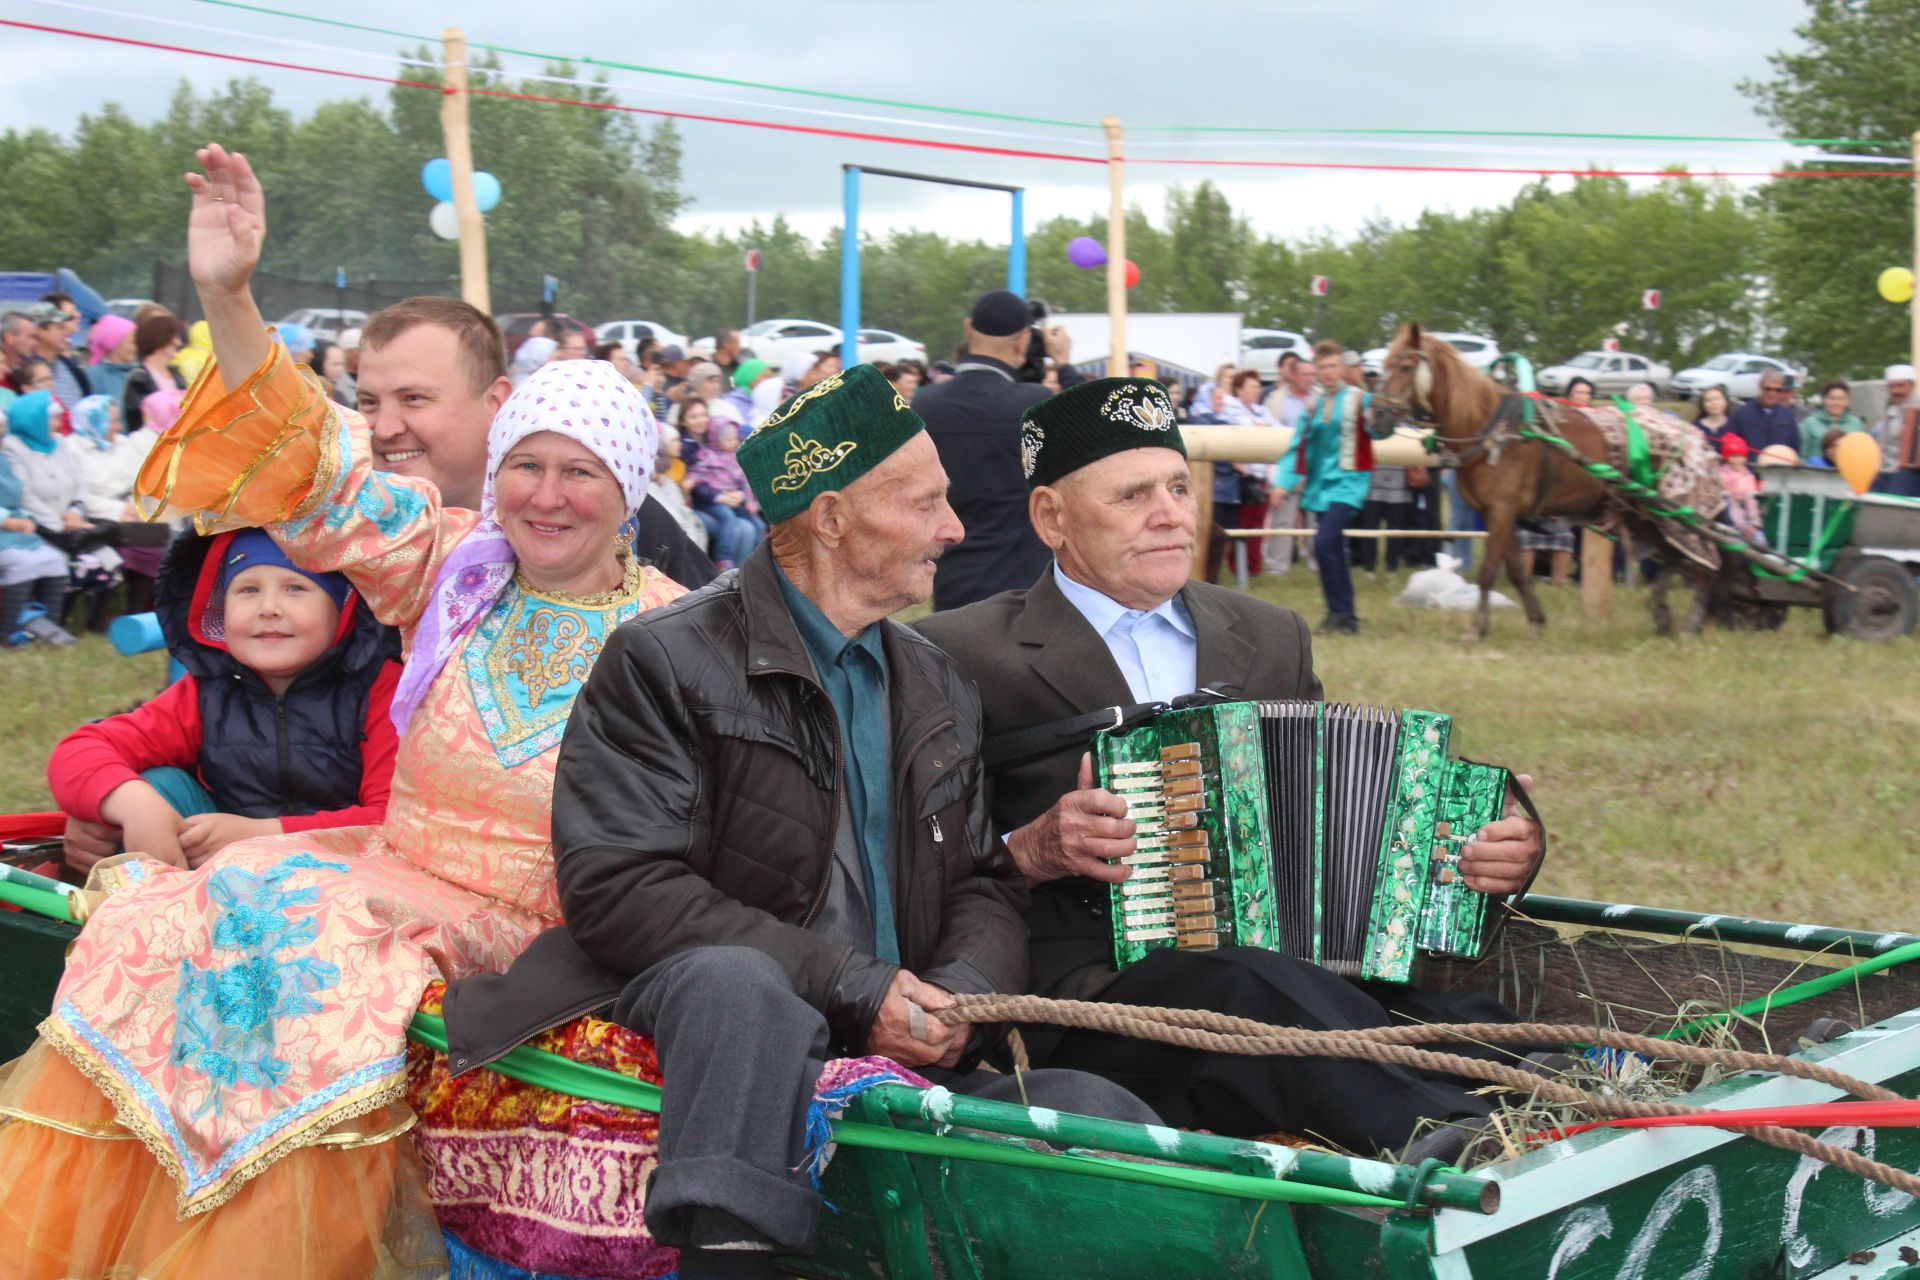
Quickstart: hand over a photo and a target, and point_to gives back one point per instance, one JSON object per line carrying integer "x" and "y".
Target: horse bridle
{"x": 1415, "y": 410}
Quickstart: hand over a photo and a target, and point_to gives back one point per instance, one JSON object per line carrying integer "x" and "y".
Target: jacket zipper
{"x": 905, "y": 823}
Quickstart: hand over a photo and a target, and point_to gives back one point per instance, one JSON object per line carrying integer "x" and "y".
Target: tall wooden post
{"x": 1596, "y": 573}
{"x": 1913, "y": 340}
{"x": 459, "y": 144}
{"x": 1116, "y": 251}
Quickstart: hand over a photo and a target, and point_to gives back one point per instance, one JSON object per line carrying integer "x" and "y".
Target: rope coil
{"x": 1207, "y": 1031}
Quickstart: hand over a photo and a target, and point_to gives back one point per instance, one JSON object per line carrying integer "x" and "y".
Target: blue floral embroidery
{"x": 225, "y": 1014}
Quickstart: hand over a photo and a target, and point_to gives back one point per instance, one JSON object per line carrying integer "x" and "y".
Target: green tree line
{"x": 592, "y": 198}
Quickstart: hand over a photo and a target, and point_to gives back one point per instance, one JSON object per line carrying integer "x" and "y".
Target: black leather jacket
{"x": 696, "y": 802}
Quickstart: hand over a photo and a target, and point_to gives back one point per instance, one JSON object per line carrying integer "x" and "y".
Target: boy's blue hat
{"x": 251, "y": 547}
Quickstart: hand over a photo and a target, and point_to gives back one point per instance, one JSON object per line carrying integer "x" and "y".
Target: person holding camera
{"x": 974, "y": 419}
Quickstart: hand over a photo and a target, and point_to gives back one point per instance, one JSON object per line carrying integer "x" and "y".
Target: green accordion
{"x": 1329, "y": 832}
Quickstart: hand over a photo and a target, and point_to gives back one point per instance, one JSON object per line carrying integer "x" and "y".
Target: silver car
{"x": 1737, "y": 373}
{"x": 1610, "y": 372}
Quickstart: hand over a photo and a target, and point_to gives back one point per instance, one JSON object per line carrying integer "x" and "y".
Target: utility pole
{"x": 459, "y": 143}
{"x": 1116, "y": 251}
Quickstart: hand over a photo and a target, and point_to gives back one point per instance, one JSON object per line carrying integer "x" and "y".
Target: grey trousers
{"x": 740, "y": 1053}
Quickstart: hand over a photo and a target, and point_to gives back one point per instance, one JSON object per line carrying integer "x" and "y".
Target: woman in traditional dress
{"x": 217, "y": 1090}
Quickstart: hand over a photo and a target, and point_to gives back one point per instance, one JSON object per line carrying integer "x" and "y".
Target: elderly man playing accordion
{"x": 1116, "y": 621}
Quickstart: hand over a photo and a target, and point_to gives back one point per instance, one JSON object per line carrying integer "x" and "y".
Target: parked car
{"x": 516, "y": 325}
{"x": 775, "y": 340}
{"x": 884, "y": 346}
{"x": 325, "y": 322}
{"x": 1475, "y": 350}
{"x": 126, "y": 307}
{"x": 1610, "y": 372}
{"x": 1261, "y": 349}
{"x": 1737, "y": 373}
{"x": 628, "y": 333}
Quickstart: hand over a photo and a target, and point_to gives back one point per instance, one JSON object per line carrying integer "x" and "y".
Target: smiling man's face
{"x": 427, "y": 417}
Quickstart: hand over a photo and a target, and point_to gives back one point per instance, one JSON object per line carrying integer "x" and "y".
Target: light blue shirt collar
{"x": 1157, "y": 650}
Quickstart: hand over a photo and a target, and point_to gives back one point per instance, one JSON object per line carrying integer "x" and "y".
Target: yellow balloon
{"x": 1896, "y": 284}
{"x": 1857, "y": 458}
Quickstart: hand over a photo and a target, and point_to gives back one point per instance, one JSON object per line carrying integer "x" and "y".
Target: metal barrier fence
{"x": 1241, "y": 535}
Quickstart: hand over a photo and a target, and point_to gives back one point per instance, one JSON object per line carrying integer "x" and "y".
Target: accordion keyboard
{"x": 1172, "y": 892}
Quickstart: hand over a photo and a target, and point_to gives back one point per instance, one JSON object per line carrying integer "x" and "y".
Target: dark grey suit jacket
{"x": 1036, "y": 659}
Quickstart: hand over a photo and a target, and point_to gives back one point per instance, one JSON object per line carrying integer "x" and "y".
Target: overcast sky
{"x": 1634, "y": 66}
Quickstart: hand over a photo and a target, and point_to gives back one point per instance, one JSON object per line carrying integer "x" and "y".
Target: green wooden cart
{"x": 927, "y": 1185}
{"x": 1870, "y": 542}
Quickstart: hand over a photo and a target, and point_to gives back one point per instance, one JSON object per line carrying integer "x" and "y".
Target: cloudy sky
{"x": 1631, "y": 66}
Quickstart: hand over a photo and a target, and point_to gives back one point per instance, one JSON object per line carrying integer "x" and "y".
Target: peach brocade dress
{"x": 249, "y": 1017}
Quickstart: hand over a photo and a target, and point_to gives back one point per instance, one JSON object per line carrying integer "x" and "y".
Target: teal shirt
{"x": 1327, "y": 482}
{"x": 854, "y": 674}
{"x": 1815, "y": 426}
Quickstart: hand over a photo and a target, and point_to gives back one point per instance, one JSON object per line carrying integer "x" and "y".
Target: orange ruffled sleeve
{"x": 275, "y": 452}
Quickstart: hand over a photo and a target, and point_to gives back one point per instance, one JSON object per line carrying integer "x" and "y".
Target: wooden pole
{"x": 459, "y": 144}
{"x": 1913, "y": 340}
{"x": 1116, "y": 251}
{"x": 1596, "y": 574}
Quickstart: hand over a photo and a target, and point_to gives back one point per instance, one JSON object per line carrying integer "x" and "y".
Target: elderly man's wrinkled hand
{"x": 904, "y": 1032}
{"x": 1082, "y": 835}
{"x": 1502, "y": 855}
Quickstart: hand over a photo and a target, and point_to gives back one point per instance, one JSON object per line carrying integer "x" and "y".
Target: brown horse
{"x": 1425, "y": 383}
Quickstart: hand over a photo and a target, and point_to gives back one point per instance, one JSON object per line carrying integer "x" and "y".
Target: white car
{"x": 1261, "y": 349}
{"x": 1737, "y": 373}
{"x": 1475, "y": 350}
{"x": 628, "y": 333}
{"x": 884, "y": 346}
{"x": 775, "y": 340}
{"x": 1610, "y": 372}
{"x": 325, "y": 322}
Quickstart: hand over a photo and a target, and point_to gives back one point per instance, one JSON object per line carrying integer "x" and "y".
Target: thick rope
{"x": 1209, "y": 1032}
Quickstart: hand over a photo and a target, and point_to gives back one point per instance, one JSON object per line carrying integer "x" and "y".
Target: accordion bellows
{"x": 1329, "y": 832}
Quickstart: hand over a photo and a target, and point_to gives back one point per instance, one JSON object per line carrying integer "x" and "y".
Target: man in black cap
{"x": 974, "y": 418}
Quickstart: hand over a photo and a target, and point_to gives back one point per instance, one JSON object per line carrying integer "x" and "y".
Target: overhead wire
{"x": 868, "y": 136}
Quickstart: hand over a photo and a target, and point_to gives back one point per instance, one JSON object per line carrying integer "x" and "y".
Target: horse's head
{"x": 1404, "y": 394}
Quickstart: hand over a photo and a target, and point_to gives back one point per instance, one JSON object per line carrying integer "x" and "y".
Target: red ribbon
{"x": 1867, "y": 1113}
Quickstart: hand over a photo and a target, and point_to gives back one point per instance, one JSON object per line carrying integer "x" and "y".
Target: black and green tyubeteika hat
{"x": 824, "y": 439}
{"x": 1094, "y": 420}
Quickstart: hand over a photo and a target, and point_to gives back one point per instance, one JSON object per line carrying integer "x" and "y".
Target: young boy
{"x": 280, "y": 724}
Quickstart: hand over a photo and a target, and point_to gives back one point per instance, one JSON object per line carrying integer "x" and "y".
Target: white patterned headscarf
{"x": 584, "y": 400}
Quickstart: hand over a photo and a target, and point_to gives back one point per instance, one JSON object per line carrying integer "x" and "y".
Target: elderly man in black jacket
{"x": 1115, "y": 621}
{"x": 769, "y": 820}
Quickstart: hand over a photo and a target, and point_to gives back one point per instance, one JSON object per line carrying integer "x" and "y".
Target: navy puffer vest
{"x": 263, "y": 756}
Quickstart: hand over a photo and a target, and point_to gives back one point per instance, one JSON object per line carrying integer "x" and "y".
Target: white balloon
{"x": 445, "y": 221}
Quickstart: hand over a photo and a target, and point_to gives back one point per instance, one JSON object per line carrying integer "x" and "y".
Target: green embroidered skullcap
{"x": 824, "y": 439}
{"x": 1094, "y": 420}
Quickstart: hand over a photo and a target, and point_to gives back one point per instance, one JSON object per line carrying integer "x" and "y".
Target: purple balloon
{"x": 1085, "y": 251}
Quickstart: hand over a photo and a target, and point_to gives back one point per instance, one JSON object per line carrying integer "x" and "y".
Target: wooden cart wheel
{"x": 1883, "y": 605}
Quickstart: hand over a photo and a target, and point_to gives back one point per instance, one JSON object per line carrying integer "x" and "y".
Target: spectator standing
{"x": 1389, "y": 505}
{"x": 726, "y": 350}
{"x": 1208, "y": 411}
{"x": 1716, "y": 409}
{"x": 155, "y": 341}
{"x": 1894, "y": 430}
{"x": 1330, "y": 464}
{"x": 330, "y": 363}
{"x": 974, "y": 421}
{"x": 1835, "y": 413}
{"x": 1552, "y": 534}
{"x": 53, "y": 330}
{"x": 616, "y": 355}
{"x": 1287, "y": 405}
{"x": 673, "y": 365}
{"x": 1769, "y": 419}
{"x": 112, "y": 352}
{"x": 570, "y": 345}
{"x": 1242, "y": 408}
{"x": 16, "y": 344}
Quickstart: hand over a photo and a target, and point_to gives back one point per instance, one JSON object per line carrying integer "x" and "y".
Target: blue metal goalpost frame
{"x": 850, "y": 246}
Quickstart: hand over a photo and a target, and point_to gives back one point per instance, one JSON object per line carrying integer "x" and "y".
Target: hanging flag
{"x": 1322, "y": 286}
{"x": 1650, "y": 299}
{"x": 753, "y": 259}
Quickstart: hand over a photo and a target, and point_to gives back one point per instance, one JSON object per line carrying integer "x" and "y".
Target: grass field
{"x": 1776, "y": 774}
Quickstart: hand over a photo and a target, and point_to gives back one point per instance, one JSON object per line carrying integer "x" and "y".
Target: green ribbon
{"x": 1639, "y": 452}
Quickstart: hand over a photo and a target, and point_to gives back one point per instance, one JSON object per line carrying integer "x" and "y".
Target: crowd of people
{"x": 599, "y": 781}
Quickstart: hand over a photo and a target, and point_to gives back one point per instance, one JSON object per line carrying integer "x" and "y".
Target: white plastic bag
{"x": 1442, "y": 587}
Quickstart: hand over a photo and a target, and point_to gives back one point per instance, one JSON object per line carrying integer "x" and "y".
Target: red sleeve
{"x": 95, "y": 758}
{"x": 376, "y": 764}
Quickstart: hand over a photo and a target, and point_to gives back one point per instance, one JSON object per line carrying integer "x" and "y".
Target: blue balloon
{"x": 486, "y": 190}
{"x": 437, "y": 177}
